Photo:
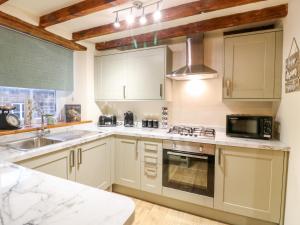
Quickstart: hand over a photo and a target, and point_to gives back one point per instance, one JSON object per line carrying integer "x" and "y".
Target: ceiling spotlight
{"x": 130, "y": 18}
{"x": 117, "y": 22}
{"x": 157, "y": 13}
{"x": 143, "y": 19}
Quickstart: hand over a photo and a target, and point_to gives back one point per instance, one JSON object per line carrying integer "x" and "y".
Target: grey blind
{"x": 29, "y": 62}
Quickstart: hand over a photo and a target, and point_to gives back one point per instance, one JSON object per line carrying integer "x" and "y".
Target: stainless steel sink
{"x": 32, "y": 143}
{"x": 71, "y": 135}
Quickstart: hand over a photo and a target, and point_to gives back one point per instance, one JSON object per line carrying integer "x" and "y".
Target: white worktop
{"x": 31, "y": 197}
{"x": 11, "y": 155}
{"x": 51, "y": 200}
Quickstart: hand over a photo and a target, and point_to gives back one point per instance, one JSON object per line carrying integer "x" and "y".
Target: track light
{"x": 138, "y": 5}
{"x": 117, "y": 22}
{"x": 157, "y": 13}
{"x": 130, "y": 18}
{"x": 143, "y": 19}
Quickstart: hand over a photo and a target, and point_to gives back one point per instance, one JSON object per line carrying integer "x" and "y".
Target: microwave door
{"x": 245, "y": 127}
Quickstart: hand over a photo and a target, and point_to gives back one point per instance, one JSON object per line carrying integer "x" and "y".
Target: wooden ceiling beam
{"x": 2, "y": 1}
{"x": 79, "y": 9}
{"x": 255, "y": 16}
{"x": 173, "y": 13}
{"x": 27, "y": 28}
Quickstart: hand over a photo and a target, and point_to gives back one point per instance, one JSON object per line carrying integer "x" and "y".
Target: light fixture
{"x": 157, "y": 13}
{"x": 143, "y": 19}
{"x": 117, "y": 22}
{"x": 138, "y": 5}
{"x": 130, "y": 18}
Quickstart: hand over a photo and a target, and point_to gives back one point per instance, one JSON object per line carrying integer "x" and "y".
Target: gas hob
{"x": 201, "y": 132}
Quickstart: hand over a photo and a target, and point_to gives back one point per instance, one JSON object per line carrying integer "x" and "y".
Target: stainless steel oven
{"x": 189, "y": 166}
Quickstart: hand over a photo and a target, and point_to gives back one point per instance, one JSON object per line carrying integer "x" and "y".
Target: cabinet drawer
{"x": 151, "y": 178}
{"x": 151, "y": 152}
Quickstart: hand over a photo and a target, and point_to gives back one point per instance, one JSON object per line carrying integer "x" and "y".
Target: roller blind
{"x": 29, "y": 62}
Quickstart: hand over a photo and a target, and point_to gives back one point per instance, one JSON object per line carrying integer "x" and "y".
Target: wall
{"x": 195, "y": 102}
{"x": 83, "y": 86}
{"x": 289, "y": 116}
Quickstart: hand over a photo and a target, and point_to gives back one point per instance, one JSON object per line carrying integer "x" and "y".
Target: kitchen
{"x": 142, "y": 132}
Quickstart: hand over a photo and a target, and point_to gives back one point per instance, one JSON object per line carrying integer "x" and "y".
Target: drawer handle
{"x": 160, "y": 90}
{"x": 151, "y": 172}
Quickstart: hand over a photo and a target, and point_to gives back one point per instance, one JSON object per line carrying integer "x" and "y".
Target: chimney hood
{"x": 194, "y": 68}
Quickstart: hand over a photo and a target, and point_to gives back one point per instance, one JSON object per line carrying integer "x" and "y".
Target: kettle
{"x": 128, "y": 119}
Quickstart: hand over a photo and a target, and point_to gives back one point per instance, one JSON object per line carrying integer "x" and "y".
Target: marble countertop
{"x": 12, "y": 155}
{"x": 30, "y": 197}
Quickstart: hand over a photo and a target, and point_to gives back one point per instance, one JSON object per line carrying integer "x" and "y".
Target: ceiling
{"x": 31, "y": 10}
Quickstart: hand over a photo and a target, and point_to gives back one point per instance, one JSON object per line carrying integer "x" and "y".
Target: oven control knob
{"x": 174, "y": 145}
{"x": 200, "y": 149}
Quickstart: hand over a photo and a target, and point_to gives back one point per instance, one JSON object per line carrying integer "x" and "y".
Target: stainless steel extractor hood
{"x": 194, "y": 68}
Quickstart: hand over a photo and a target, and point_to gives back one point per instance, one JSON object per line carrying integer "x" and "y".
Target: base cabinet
{"x": 86, "y": 164}
{"x": 93, "y": 164}
{"x": 127, "y": 162}
{"x": 249, "y": 182}
{"x": 151, "y": 166}
{"x": 58, "y": 164}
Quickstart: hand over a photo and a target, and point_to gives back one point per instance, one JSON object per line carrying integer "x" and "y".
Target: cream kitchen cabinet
{"x": 127, "y": 162}
{"x": 253, "y": 66}
{"x": 151, "y": 165}
{"x": 93, "y": 164}
{"x": 133, "y": 75}
{"x": 110, "y": 74}
{"x": 59, "y": 164}
{"x": 87, "y": 164}
{"x": 250, "y": 182}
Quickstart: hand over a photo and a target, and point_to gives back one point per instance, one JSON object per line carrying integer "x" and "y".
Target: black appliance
{"x": 249, "y": 126}
{"x": 144, "y": 123}
{"x": 128, "y": 119}
{"x": 189, "y": 167}
{"x": 107, "y": 121}
{"x": 8, "y": 121}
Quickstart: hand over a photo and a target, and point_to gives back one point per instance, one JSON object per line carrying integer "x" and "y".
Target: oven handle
{"x": 188, "y": 155}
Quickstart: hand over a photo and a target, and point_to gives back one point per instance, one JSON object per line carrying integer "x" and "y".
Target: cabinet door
{"x": 248, "y": 182}
{"x": 60, "y": 164}
{"x": 146, "y": 73}
{"x": 249, "y": 66}
{"x": 127, "y": 163}
{"x": 93, "y": 164}
{"x": 110, "y": 72}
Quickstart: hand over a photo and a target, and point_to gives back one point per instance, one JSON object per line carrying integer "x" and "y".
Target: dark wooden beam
{"x": 2, "y": 1}
{"x": 27, "y": 28}
{"x": 177, "y": 12}
{"x": 255, "y": 16}
{"x": 77, "y": 10}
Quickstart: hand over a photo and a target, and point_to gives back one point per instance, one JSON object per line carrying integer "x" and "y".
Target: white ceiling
{"x": 31, "y": 10}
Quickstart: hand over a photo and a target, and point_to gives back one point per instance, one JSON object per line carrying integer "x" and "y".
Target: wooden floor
{"x": 151, "y": 214}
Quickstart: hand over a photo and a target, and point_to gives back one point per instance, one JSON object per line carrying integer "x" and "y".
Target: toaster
{"x": 107, "y": 121}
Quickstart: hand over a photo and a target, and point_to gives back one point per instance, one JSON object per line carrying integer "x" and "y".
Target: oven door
{"x": 190, "y": 172}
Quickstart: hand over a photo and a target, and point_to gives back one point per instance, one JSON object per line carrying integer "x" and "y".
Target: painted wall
{"x": 195, "y": 102}
{"x": 289, "y": 116}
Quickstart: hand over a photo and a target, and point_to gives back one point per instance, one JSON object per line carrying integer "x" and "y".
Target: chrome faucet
{"x": 42, "y": 132}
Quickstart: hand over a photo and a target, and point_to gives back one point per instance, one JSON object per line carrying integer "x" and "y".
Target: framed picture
{"x": 73, "y": 113}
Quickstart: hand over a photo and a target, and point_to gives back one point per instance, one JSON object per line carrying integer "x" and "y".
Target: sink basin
{"x": 32, "y": 143}
{"x": 71, "y": 135}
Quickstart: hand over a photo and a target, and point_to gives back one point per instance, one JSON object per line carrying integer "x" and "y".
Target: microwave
{"x": 248, "y": 126}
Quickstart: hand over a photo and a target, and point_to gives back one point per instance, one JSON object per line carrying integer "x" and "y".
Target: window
{"x": 44, "y": 99}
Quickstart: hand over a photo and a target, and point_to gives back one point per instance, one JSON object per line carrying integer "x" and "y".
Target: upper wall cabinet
{"x": 133, "y": 75}
{"x": 253, "y": 66}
